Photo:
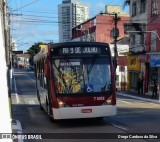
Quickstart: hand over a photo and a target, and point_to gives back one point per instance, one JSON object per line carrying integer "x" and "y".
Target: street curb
{"x": 139, "y": 98}
{"x": 16, "y": 125}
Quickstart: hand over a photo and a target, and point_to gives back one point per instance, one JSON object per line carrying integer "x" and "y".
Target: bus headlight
{"x": 107, "y": 102}
{"x": 61, "y": 104}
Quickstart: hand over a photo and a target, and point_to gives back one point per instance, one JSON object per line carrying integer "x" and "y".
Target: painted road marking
{"x": 119, "y": 127}
{"x": 29, "y": 78}
{"x": 125, "y": 102}
{"x": 15, "y": 88}
{"x": 31, "y": 102}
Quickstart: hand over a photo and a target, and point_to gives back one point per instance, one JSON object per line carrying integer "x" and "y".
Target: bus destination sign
{"x": 80, "y": 50}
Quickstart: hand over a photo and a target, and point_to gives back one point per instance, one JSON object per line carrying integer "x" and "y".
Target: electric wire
{"x": 36, "y": 21}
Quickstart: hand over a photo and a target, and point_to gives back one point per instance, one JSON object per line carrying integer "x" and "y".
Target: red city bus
{"x": 76, "y": 80}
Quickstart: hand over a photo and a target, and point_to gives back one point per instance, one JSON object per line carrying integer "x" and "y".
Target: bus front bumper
{"x": 84, "y": 112}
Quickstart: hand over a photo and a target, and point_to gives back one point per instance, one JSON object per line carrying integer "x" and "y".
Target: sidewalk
{"x": 143, "y": 97}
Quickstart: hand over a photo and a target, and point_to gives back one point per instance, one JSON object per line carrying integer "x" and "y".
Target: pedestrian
{"x": 154, "y": 93}
{"x": 139, "y": 85}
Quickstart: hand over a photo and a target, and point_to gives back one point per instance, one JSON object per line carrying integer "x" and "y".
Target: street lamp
{"x": 144, "y": 32}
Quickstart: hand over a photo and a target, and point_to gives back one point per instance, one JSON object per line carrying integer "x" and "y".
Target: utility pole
{"x": 115, "y": 36}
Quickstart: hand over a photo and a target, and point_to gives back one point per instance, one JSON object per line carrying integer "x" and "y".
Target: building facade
{"x": 144, "y": 31}
{"x": 153, "y": 42}
{"x": 21, "y": 60}
{"x": 137, "y": 59}
{"x": 121, "y": 70}
{"x": 70, "y": 14}
{"x": 99, "y": 28}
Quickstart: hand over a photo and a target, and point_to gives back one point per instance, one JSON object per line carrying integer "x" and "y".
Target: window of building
{"x": 154, "y": 8}
{"x": 153, "y": 42}
{"x": 143, "y": 6}
{"x": 134, "y": 9}
{"x": 133, "y": 39}
{"x": 142, "y": 39}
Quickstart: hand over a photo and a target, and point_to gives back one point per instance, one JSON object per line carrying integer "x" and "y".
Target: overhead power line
{"x": 25, "y": 5}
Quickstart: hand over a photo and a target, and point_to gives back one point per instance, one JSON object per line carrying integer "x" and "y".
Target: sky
{"x": 35, "y": 21}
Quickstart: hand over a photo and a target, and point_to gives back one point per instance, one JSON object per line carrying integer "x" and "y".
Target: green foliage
{"x": 34, "y": 49}
{"x": 126, "y": 3}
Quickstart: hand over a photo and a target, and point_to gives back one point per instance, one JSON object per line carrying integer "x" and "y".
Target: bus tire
{"x": 99, "y": 118}
{"x": 41, "y": 106}
{"x": 49, "y": 111}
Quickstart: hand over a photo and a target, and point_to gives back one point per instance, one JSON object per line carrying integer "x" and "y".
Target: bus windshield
{"x": 82, "y": 75}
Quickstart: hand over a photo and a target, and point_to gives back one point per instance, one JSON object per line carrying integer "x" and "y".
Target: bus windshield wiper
{"x": 104, "y": 87}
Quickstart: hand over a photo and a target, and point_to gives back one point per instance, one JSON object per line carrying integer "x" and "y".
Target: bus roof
{"x": 45, "y": 50}
{"x": 79, "y": 43}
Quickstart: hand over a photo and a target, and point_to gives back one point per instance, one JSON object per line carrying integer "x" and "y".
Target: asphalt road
{"x": 134, "y": 116}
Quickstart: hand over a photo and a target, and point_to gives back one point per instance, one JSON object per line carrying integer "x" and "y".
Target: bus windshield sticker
{"x": 70, "y": 64}
{"x": 88, "y": 88}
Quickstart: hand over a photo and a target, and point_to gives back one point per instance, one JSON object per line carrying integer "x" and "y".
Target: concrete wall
{"x": 5, "y": 122}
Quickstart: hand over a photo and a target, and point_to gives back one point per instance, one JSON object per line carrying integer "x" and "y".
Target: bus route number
{"x": 99, "y": 98}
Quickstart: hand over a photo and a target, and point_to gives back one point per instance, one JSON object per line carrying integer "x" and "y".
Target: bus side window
{"x": 41, "y": 84}
{"x": 38, "y": 70}
{"x": 44, "y": 76}
{"x": 42, "y": 79}
{"x": 35, "y": 70}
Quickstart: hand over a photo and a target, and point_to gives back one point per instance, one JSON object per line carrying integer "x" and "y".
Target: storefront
{"x": 154, "y": 70}
{"x": 134, "y": 72}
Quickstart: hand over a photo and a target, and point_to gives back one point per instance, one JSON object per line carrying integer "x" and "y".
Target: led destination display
{"x": 80, "y": 50}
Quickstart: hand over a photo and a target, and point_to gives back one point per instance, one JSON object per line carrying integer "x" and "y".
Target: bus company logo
{"x": 6, "y": 136}
{"x": 20, "y": 136}
{"x": 133, "y": 61}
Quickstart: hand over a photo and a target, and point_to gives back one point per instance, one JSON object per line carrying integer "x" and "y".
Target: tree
{"x": 126, "y": 3}
{"x": 34, "y": 49}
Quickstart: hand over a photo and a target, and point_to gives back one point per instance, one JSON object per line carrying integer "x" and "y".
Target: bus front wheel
{"x": 49, "y": 111}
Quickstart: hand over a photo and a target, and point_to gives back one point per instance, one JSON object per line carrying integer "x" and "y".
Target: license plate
{"x": 86, "y": 110}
